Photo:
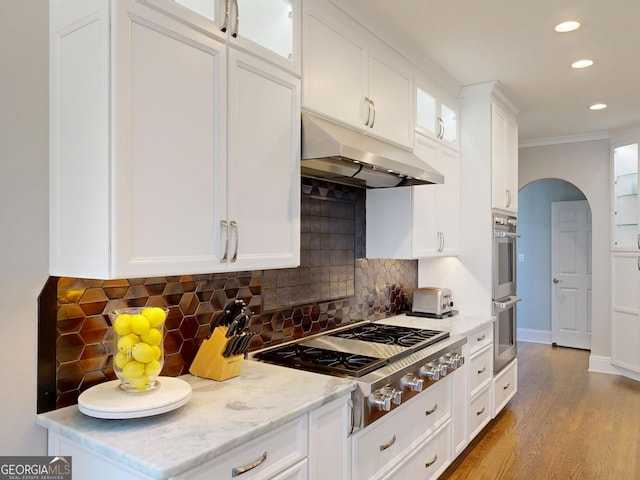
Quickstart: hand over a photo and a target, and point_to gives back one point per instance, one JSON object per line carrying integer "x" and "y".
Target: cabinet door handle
{"x": 479, "y": 339}
{"x": 638, "y": 241}
{"x": 384, "y": 446}
{"x": 225, "y": 22}
{"x": 373, "y": 107}
{"x": 506, "y": 386}
{"x": 225, "y": 229}
{"x": 508, "y": 198}
{"x": 235, "y": 471}
{"x": 480, "y": 372}
{"x": 429, "y": 412}
{"x": 234, "y": 230}
{"x": 368, "y": 104}
{"x": 442, "y": 239}
{"x": 235, "y": 28}
{"x": 440, "y": 128}
{"x": 428, "y": 464}
{"x": 480, "y": 412}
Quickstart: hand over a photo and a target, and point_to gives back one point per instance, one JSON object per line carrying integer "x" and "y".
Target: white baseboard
{"x": 600, "y": 364}
{"x": 534, "y": 336}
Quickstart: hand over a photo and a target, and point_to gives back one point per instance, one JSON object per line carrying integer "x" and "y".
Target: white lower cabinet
{"x": 505, "y": 385}
{"x": 315, "y": 446}
{"x": 382, "y": 447}
{"x": 430, "y": 459}
{"x": 479, "y": 413}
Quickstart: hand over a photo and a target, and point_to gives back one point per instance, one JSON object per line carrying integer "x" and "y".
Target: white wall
{"x": 534, "y": 273}
{"x": 24, "y": 193}
{"x": 586, "y": 165}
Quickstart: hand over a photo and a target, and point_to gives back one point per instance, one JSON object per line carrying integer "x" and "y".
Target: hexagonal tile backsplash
{"x": 83, "y": 349}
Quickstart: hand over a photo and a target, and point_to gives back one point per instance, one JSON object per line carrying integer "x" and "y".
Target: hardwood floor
{"x": 564, "y": 423}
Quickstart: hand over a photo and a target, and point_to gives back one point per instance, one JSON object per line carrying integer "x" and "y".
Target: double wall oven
{"x": 505, "y": 296}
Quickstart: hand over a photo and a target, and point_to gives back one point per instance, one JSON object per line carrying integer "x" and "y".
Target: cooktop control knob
{"x": 431, "y": 371}
{"x": 460, "y": 358}
{"x": 380, "y": 401}
{"x": 443, "y": 370}
{"x": 451, "y": 360}
{"x": 412, "y": 382}
{"x": 393, "y": 393}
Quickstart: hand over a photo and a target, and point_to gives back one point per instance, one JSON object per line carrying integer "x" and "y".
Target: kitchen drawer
{"x": 480, "y": 369}
{"x": 380, "y": 444}
{"x": 477, "y": 341}
{"x": 430, "y": 460}
{"x": 282, "y": 447}
{"x": 505, "y": 386}
{"x": 479, "y": 411}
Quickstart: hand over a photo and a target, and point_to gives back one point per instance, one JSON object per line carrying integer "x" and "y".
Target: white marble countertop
{"x": 219, "y": 417}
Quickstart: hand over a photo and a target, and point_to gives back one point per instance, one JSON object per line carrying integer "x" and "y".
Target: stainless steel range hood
{"x": 341, "y": 155}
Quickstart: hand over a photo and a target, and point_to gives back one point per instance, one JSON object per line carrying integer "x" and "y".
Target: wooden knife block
{"x": 209, "y": 362}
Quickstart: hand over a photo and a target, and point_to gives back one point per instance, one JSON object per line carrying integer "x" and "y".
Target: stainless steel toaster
{"x": 432, "y": 300}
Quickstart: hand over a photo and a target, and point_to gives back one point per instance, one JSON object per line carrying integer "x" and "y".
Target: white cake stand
{"x": 106, "y": 400}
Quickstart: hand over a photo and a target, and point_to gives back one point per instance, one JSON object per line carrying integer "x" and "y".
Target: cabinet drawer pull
{"x": 234, "y": 34}
{"x": 506, "y": 386}
{"x": 480, "y": 372}
{"x": 373, "y": 107}
{"x": 235, "y": 471}
{"x": 479, "y": 339}
{"x": 234, "y": 230}
{"x": 428, "y": 464}
{"x": 225, "y": 23}
{"x": 429, "y": 412}
{"x": 480, "y": 412}
{"x": 225, "y": 229}
{"x": 368, "y": 102}
{"x": 384, "y": 446}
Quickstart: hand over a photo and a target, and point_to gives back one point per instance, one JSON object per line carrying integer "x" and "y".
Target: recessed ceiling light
{"x": 584, "y": 63}
{"x": 598, "y": 106}
{"x": 569, "y": 26}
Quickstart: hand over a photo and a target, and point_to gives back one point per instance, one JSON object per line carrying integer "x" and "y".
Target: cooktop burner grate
{"x": 392, "y": 335}
{"x": 322, "y": 360}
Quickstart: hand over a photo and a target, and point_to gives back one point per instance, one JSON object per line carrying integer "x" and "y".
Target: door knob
{"x": 555, "y": 280}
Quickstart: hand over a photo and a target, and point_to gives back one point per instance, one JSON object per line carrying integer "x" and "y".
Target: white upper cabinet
{"x": 436, "y": 113}
{"x": 504, "y": 161}
{"x": 352, "y": 77}
{"x": 142, "y": 181}
{"x": 420, "y": 221}
{"x": 267, "y": 28}
{"x": 625, "y": 234}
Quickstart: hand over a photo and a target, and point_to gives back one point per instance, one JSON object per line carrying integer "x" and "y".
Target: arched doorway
{"x": 534, "y": 248}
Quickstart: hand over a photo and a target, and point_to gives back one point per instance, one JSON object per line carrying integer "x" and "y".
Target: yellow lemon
{"x": 156, "y": 352}
{"x": 140, "y": 383}
{"x": 155, "y": 315}
{"x": 133, "y": 369}
{"x": 121, "y": 359}
{"x": 152, "y": 368}
{"x": 126, "y": 343}
{"x": 122, "y": 325}
{"x": 139, "y": 324}
{"x": 142, "y": 352}
{"x": 152, "y": 337}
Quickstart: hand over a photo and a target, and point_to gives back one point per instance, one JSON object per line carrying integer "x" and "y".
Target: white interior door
{"x": 571, "y": 270}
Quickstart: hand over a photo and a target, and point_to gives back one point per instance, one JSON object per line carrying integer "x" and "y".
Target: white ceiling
{"x": 513, "y": 41}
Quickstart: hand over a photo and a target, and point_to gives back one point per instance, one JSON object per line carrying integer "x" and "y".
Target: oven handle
{"x": 501, "y": 234}
{"x": 512, "y": 301}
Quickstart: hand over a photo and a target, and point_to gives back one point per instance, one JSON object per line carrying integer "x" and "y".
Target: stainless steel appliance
{"x": 433, "y": 301}
{"x": 505, "y": 298}
{"x": 391, "y": 363}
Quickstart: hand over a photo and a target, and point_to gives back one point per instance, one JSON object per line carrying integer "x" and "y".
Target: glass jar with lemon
{"x": 138, "y": 355}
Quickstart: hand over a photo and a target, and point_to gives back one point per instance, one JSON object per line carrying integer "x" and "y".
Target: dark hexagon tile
{"x": 91, "y": 379}
{"x": 69, "y": 376}
{"x": 69, "y": 348}
{"x": 93, "y": 329}
{"x": 188, "y": 350}
{"x": 93, "y": 358}
{"x": 174, "y": 318}
{"x": 173, "y": 365}
{"x": 204, "y": 313}
{"x": 71, "y": 325}
{"x": 173, "y": 293}
{"x": 67, "y": 399}
{"x": 136, "y": 295}
{"x": 70, "y": 289}
{"x": 172, "y": 342}
{"x": 188, "y": 303}
{"x": 188, "y": 327}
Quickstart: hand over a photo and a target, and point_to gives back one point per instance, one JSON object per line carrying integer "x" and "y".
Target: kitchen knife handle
{"x": 234, "y": 229}
{"x": 235, "y": 471}
{"x": 225, "y": 229}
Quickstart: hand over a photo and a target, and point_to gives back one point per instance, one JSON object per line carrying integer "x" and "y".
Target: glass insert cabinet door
{"x": 267, "y": 23}
{"x": 625, "y": 197}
